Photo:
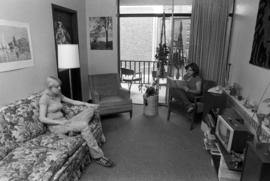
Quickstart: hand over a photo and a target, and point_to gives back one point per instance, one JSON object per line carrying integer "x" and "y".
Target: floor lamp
{"x": 68, "y": 58}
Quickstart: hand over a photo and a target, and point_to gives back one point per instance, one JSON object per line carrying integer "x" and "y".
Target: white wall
{"x": 38, "y": 13}
{"x": 102, "y": 61}
{"x": 252, "y": 79}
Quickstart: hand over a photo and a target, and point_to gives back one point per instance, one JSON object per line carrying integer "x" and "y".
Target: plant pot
{"x": 150, "y": 105}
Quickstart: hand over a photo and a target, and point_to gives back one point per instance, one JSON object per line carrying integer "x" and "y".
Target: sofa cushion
{"x": 56, "y": 141}
{"x": 23, "y": 118}
{"x": 23, "y": 161}
{"x": 71, "y": 110}
{"x": 39, "y": 158}
{"x": 114, "y": 101}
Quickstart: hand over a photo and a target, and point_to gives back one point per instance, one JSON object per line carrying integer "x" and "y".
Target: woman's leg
{"x": 84, "y": 116}
{"x": 79, "y": 123}
{"x": 181, "y": 95}
{"x": 94, "y": 149}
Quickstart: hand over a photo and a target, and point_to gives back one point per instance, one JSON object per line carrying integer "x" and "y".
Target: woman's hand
{"x": 185, "y": 88}
{"x": 63, "y": 122}
{"x": 94, "y": 106}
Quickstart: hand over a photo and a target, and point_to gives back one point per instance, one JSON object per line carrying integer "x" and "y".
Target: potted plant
{"x": 150, "y": 99}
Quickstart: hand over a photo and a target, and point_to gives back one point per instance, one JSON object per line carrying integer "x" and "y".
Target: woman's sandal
{"x": 103, "y": 161}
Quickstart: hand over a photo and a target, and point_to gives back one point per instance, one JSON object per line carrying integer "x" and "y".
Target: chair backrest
{"x": 125, "y": 71}
{"x": 105, "y": 84}
{"x": 207, "y": 84}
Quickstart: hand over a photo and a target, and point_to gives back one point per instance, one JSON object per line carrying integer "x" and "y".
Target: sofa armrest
{"x": 96, "y": 97}
{"x": 71, "y": 110}
{"x": 97, "y": 114}
{"x": 124, "y": 93}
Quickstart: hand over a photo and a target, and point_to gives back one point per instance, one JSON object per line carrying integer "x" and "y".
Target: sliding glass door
{"x": 140, "y": 29}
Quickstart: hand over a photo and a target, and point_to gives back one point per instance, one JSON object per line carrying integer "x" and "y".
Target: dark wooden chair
{"x": 173, "y": 104}
{"x": 130, "y": 76}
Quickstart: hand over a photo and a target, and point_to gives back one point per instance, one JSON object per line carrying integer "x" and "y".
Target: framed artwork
{"x": 62, "y": 36}
{"x": 15, "y": 46}
{"x": 101, "y": 35}
{"x": 260, "y": 54}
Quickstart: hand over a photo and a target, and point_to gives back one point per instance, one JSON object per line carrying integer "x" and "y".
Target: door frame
{"x": 57, "y": 11}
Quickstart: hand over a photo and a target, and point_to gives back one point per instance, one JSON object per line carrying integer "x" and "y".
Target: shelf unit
{"x": 249, "y": 117}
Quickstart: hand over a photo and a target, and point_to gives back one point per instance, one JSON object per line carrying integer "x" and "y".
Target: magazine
{"x": 176, "y": 83}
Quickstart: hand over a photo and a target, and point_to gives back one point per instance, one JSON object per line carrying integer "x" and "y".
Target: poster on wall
{"x": 101, "y": 35}
{"x": 62, "y": 36}
{"x": 15, "y": 46}
{"x": 260, "y": 54}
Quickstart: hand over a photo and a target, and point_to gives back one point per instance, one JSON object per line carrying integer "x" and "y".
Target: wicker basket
{"x": 151, "y": 105}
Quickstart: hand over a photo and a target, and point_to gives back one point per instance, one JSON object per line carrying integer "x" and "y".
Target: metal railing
{"x": 148, "y": 69}
{"x": 145, "y": 67}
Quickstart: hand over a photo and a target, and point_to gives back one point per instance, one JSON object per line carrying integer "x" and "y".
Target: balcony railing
{"x": 145, "y": 67}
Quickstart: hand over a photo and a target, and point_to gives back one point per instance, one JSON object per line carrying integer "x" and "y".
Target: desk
{"x": 219, "y": 163}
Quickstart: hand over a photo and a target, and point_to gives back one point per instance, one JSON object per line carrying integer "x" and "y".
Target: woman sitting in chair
{"x": 192, "y": 87}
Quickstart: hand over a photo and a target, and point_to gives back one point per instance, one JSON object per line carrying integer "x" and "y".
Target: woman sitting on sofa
{"x": 51, "y": 114}
{"x": 190, "y": 87}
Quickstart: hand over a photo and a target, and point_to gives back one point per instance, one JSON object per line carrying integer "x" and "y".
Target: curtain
{"x": 208, "y": 38}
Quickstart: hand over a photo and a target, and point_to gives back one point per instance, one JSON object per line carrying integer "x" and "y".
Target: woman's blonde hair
{"x": 53, "y": 81}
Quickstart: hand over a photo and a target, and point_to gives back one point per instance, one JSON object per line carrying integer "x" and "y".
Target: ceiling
{"x": 154, "y": 2}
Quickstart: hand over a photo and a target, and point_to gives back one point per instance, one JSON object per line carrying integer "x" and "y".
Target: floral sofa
{"x": 29, "y": 152}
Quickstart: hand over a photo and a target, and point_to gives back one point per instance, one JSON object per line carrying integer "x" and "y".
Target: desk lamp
{"x": 68, "y": 58}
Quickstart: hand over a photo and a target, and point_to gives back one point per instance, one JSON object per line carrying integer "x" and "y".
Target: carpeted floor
{"x": 152, "y": 149}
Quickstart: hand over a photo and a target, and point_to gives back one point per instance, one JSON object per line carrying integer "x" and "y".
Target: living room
{"x": 21, "y": 83}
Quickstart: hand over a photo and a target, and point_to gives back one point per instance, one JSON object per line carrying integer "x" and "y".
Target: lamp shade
{"x": 68, "y": 56}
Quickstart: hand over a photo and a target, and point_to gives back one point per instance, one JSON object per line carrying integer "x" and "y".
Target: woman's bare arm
{"x": 79, "y": 103}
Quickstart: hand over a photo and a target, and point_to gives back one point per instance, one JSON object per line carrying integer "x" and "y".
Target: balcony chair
{"x": 107, "y": 92}
{"x": 173, "y": 104}
{"x": 130, "y": 76}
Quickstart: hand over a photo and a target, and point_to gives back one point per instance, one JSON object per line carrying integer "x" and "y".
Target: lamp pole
{"x": 70, "y": 84}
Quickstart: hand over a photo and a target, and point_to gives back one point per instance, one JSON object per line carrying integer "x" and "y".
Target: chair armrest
{"x": 124, "y": 93}
{"x": 138, "y": 73}
{"x": 197, "y": 98}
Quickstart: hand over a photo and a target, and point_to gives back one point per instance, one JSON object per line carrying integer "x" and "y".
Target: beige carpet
{"x": 152, "y": 149}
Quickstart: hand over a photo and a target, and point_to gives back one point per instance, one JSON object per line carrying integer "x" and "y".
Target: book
{"x": 176, "y": 83}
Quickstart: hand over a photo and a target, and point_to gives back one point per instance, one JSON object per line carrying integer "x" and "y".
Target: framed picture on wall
{"x": 101, "y": 35}
{"x": 15, "y": 46}
{"x": 260, "y": 54}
